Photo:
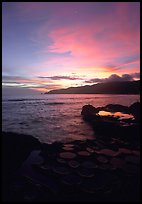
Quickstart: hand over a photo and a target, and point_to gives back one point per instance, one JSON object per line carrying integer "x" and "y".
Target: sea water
{"x": 55, "y": 117}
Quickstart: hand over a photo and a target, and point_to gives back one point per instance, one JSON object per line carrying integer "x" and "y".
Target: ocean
{"x": 55, "y": 117}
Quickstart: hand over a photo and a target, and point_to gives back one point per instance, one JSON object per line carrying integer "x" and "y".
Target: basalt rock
{"x": 109, "y": 126}
{"x": 104, "y": 174}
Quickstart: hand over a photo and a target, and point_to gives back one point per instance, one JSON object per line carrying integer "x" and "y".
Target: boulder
{"x": 89, "y": 112}
{"x": 16, "y": 148}
{"x": 88, "y": 109}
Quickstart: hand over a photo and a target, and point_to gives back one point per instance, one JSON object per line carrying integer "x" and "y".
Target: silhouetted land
{"x": 104, "y": 169}
{"x": 125, "y": 87}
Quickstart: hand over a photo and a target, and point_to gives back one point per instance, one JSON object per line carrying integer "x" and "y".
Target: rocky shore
{"x": 104, "y": 169}
{"x": 114, "y": 120}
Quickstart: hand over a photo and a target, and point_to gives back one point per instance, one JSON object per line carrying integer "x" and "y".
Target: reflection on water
{"x": 105, "y": 113}
{"x": 120, "y": 115}
{"x": 123, "y": 115}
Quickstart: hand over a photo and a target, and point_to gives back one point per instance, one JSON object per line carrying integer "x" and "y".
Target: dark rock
{"x": 92, "y": 185}
{"x": 102, "y": 159}
{"x": 61, "y": 170}
{"x": 88, "y": 112}
{"x": 15, "y": 149}
{"x": 90, "y": 150}
{"x": 61, "y": 161}
{"x": 96, "y": 170}
{"x": 67, "y": 155}
{"x": 68, "y": 148}
{"x": 41, "y": 168}
{"x": 130, "y": 168}
{"x": 86, "y": 172}
{"x": 117, "y": 163}
{"x": 136, "y": 152}
{"x": 133, "y": 159}
{"x": 48, "y": 148}
{"x": 74, "y": 163}
{"x": 68, "y": 145}
{"x": 135, "y": 110}
{"x": 89, "y": 165}
{"x": 124, "y": 151}
{"x": 84, "y": 153}
{"x": 107, "y": 152}
{"x": 117, "y": 108}
{"x": 107, "y": 127}
{"x": 71, "y": 179}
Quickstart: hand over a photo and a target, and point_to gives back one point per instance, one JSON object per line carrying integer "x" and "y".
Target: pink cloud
{"x": 82, "y": 43}
{"x": 92, "y": 44}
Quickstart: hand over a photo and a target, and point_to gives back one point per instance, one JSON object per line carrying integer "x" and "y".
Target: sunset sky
{"x": 52, "y": 45}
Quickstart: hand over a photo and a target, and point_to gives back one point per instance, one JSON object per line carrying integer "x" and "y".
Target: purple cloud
{"x": 136, "y": 75}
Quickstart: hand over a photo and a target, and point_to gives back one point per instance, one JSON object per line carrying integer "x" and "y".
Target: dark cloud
{"x": 61, "y": 77}
{"x": 115, "y": 77}
{"x": 11, "y": 82}
{"x": 124, "y": 77}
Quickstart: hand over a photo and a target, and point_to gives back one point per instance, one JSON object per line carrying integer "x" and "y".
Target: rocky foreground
{"x": 104, "y": 169}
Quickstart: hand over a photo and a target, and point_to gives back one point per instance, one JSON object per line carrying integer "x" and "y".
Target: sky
{"x": 53, "y": 45}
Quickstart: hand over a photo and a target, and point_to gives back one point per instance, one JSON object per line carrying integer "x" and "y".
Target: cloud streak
{"x": 60, "y": 78}
{"x": 30, "y": 83}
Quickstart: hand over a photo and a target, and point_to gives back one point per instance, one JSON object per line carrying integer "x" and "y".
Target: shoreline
{"x": 106, "y": 168}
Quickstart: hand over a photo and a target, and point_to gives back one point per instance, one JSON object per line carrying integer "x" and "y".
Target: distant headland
{"x": 125, "y": 87}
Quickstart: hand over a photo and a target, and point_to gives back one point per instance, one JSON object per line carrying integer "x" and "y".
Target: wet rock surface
{"x": 102, "y": 175}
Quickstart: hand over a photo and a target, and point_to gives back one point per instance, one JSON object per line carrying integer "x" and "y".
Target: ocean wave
{"x": 23, "y": 99}
{"x": 61, "y": 103}
{"x": 54, "y": 103}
